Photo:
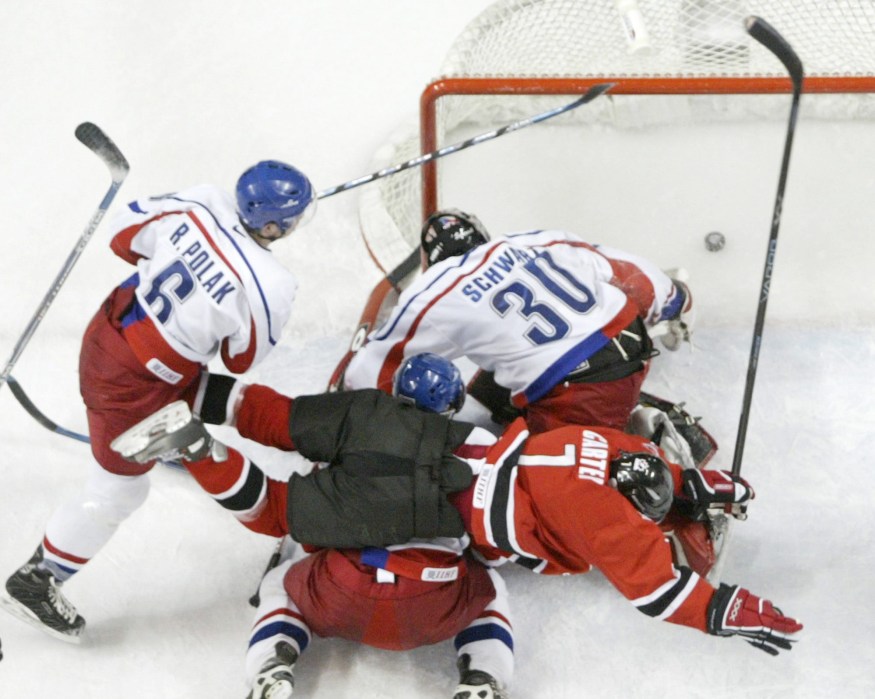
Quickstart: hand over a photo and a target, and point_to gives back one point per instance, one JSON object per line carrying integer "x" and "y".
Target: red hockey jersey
{"x": 544, "y": 502}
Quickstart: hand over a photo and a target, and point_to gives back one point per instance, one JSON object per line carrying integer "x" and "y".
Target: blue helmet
{"x": 431, "y": 383}
{"x": 273, "y": 192}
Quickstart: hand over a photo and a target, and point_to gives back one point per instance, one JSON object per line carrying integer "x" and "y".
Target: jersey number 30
{"x": 561, "y": 287}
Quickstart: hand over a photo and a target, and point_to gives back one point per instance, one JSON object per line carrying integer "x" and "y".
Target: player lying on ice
{"x": 564, "y": 501}
{"x": 417, "y": 593}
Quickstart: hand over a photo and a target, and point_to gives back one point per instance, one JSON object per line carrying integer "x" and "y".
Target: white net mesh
{"x": 647, "y": 39}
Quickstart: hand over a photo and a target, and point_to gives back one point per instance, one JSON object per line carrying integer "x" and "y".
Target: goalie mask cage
{"x": 672, "y": 61}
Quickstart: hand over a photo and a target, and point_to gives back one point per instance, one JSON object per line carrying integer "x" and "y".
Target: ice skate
{"x": 35, "y": 598}
{"x": 170, "y": 434}
{"x": 276, "y": 680}
{"x": 476, "y": 684}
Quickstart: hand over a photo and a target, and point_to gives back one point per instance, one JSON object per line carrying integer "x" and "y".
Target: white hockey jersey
{"x": 203, "y": 285}
{"x": 530, "y": 307}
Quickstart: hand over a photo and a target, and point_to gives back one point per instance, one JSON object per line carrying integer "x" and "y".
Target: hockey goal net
{"x": 673, "y": 61}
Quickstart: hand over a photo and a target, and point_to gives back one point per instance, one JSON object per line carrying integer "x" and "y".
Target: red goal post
{"x": 519, "y": 53}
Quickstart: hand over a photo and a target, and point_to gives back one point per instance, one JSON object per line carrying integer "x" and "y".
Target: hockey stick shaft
{"x": 38, "y": 415}
{"x": 769, "y": 37}
{"x": 272, "y": 563}
{"x": 98, "y": 142}
{"x": 591, "y": 94}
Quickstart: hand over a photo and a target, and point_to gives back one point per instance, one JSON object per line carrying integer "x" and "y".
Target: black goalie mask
{"x": 451, "y": 232}
{"x": 646, "y": 481}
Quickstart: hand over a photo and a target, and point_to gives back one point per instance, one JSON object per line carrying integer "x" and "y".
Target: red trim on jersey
{"x": 241, "y": 362}
{"x": 633, "y": 282}
{"x": 396, "y": 355}
{"x": 212, "y": 243}
{"x": 121, "y": 241}
{"x": 147, "y": 343}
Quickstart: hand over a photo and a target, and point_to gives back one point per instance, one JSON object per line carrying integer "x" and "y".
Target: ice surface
{"x": 194, "y": 92}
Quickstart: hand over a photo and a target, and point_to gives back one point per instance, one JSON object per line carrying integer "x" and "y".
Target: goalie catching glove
{"x": 678, "y": 318}
{"x": 734, "y": 611}
{"x": 714, "y": 488}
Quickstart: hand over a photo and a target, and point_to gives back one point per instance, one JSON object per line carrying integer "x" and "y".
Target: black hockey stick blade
{"x": 769, "y": 37}
{"x": 38, "y": 415}
{"x": 93, "y": 138}
{"x": 405, "y": 267}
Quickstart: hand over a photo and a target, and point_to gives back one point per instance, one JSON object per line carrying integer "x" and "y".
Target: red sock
{"x": 263, "y": 417}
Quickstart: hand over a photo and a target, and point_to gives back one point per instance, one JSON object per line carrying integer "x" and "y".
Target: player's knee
{"x": 111, "y": 498}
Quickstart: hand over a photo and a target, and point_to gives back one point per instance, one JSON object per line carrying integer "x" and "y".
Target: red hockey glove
{"x": 713, "y": 487}
{"x": 734, "y": 611}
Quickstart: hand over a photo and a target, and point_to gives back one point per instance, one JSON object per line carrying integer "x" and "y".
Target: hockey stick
{"x": 588, "y": 96}
{"x": 272, "y": 563}
{"x": 37, "y": 415}
{"x": 392, "y": 280}
{"x": 769, "y": 37}
{"x": 101, "y": 145}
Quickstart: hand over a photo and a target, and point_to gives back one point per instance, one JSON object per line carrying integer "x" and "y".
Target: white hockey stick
{"x": 98, "y": 142}
{"x": 588, "y": 96}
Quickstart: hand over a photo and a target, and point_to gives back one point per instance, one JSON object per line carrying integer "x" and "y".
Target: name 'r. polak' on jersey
{"x": 199, "y": 261}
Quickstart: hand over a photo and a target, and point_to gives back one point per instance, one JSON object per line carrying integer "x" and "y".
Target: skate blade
{"x": 166, "y": 421}
{"x": 22, "y": 613}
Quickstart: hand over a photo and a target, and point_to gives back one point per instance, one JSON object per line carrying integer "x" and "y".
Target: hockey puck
{"x": 715, "y": 241}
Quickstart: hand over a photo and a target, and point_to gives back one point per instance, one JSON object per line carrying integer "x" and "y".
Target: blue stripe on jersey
{"x": 245, "y": 261}
{"x": 672, "y": 309}
{"x": 387, "y": 330}
{"x": 375, "y": 557}
{"x": 285, "y": 628}
{"x": 135, "y": 314}
{"x": 133, "y": 280}
{"x": 483, "y": 632}
{"x": 567, "y": 363}
{"x": 135, "y": 207}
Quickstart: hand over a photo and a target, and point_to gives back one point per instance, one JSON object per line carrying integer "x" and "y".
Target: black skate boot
{"x": 476, "y": 684}
{"x": 276, "y": 680}
{"x": 35, "y": 597}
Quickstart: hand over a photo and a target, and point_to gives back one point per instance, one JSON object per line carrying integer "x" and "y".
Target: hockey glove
{"x": 734, "y": 611}
{"x": 678, "y": 327}
{"x": 715, "y": 488}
